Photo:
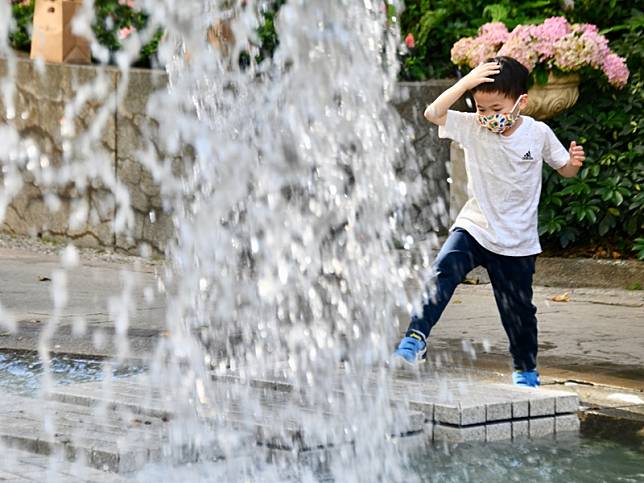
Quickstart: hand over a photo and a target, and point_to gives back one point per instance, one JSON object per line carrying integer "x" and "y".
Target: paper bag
{"x": 52, "y": 38}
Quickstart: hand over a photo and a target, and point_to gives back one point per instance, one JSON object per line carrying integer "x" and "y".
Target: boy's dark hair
{"x": 511, "y": 81}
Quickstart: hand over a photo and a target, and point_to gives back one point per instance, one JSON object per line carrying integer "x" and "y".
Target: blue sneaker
{"x": 412, "y": 349}
{"x": 526, "y": 378}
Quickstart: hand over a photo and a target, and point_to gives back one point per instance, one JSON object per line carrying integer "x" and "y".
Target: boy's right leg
{"x": 459, "y": 255}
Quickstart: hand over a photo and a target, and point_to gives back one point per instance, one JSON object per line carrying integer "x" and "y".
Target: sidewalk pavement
{"x": 597, "y": 335}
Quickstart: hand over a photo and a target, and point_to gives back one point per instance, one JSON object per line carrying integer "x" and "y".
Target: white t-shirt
{"x": 504, "y": 181}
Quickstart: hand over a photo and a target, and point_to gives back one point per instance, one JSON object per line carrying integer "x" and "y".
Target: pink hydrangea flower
{"x": 554, "y": 44}
{"x": 584, "y": 27}
{"x": 494, "y": 33}
{"x": 521, "y": 45}
{"x": 471, "y": 51}
{"x": 576, "y": 50}
{"x": 460, "y": 53}
{"x": 129, "y": 3}
{"x": 616, "y": 70}
{"x": 547, "y": 33}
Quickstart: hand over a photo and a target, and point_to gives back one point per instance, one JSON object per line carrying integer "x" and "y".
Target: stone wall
{"x": 39, "y": 107}
{"x": 41, "y": 97}
{"x": 432, "y": 155}
{"x": 40, "y": 103}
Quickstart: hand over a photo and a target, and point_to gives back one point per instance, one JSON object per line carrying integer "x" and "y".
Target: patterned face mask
{"x": 498, "y": 123}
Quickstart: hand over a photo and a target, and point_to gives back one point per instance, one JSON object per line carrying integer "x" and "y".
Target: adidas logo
{"x": 527, "y": 157}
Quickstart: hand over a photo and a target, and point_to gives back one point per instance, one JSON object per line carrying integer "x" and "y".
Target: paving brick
{"x": 567, "y": 423}
{"x": 542, "y": 427}
{"x": 498, "y": 431}
{"x": 472, "y": 414}
{"x": 568, "y": 403}
{"x": 447, "y": 414}
{"x": 542, "y": 406}
{"x": 520, "y": 409}
{"x": 459, "y": 415}
{"x": 520, "y": 429}
{"x": 426, "y": 408}
{"x": 498, "y": 411}
{"x": 452, "y": 434}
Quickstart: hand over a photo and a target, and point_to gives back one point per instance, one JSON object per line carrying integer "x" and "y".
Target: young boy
{"x": 497, "y": 227}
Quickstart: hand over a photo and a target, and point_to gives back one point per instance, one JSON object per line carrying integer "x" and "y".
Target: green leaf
{"x": 591, "y": 216}
{"x": 618, "y": 198}
{"x": 606, "y": 224}
{"x": 497, "y": 12}
{"x": 541, "y": 76}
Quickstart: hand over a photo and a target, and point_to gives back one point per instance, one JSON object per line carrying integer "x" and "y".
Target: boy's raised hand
{"x": 577, "y": 155}
{"x": 480, "y": 74}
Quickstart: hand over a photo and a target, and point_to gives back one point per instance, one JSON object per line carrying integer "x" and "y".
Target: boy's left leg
{"x": 511, "y": 279}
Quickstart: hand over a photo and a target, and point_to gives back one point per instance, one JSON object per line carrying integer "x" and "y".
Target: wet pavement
{"x": 595, "y": 333}
{"x": 590, "y": 339}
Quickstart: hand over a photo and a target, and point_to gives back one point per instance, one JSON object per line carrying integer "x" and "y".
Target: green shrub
{"x": 23, "y": 13}
{"x": 437, "y": 24}
{"x": 115, "y": 21}
{"x": 604, "y": 204}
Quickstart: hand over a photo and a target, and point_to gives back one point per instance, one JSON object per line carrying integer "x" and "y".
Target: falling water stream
{"x": 286, "y": 185}
{"x": 284, "y": 263}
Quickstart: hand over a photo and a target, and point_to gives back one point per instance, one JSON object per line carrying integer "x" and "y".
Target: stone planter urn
{"x": 557, "y": 95}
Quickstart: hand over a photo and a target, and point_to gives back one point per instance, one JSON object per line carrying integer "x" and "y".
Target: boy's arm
{"x": 436, "y": 112}
{"x": 576, "y": 160}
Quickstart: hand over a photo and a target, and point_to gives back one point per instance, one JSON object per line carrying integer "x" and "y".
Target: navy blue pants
{"x": 511, "y": 279}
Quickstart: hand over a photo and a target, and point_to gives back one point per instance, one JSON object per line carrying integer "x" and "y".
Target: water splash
{"x": 284, "y": 182}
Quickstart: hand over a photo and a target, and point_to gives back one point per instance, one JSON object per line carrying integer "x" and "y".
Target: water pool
{"x": 21, "y": 372}
{"x": 570, "y": 458}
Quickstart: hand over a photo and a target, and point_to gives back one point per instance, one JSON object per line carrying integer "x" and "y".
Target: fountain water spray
{"x": 283, "y": 177}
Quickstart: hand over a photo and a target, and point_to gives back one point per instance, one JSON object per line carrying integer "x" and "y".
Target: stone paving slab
{"x": 109, "y": 441}
{"x": 134, "y": 420}
{"x": 276, "y": 420}
{"x": 458, "y": 404}
{"x": 18, "y": 465}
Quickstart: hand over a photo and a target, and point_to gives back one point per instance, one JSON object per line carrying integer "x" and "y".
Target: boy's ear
{"x": 523, "y": 102}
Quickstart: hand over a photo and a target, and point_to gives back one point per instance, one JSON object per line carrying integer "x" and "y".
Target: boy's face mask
{"x": 500, "y": 122}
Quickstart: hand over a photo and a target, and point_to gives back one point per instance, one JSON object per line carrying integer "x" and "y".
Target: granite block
{"x": 498, "y": 431}
{"x": 567, "y": 423}
{"x": 520, "y": 429}
{"x": 498, "y": 411}
{"x": 541, "y": 427}
{"x": 447, "y": 414}
{"x": 542, "y": 406}
{"x": 520, "y": 409}
{"x": 568, "y": 403}
{"x": 451, "y": 434}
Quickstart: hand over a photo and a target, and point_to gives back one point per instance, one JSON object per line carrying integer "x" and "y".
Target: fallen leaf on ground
{"x": 564, "y": 297}
{"x": 471, "y": 281}
{"x": 457, "y": 301}
{"x": 44, "y": 279}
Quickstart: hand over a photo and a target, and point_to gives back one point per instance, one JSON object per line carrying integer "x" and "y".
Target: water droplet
{"x": 70, "y": 257}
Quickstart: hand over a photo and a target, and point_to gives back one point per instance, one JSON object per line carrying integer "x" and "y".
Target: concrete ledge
{"x": 579, "y": 273}
{"x": 588, "y": 272}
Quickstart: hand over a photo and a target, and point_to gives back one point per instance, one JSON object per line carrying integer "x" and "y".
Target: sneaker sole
{"x": 410, "y": 364}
